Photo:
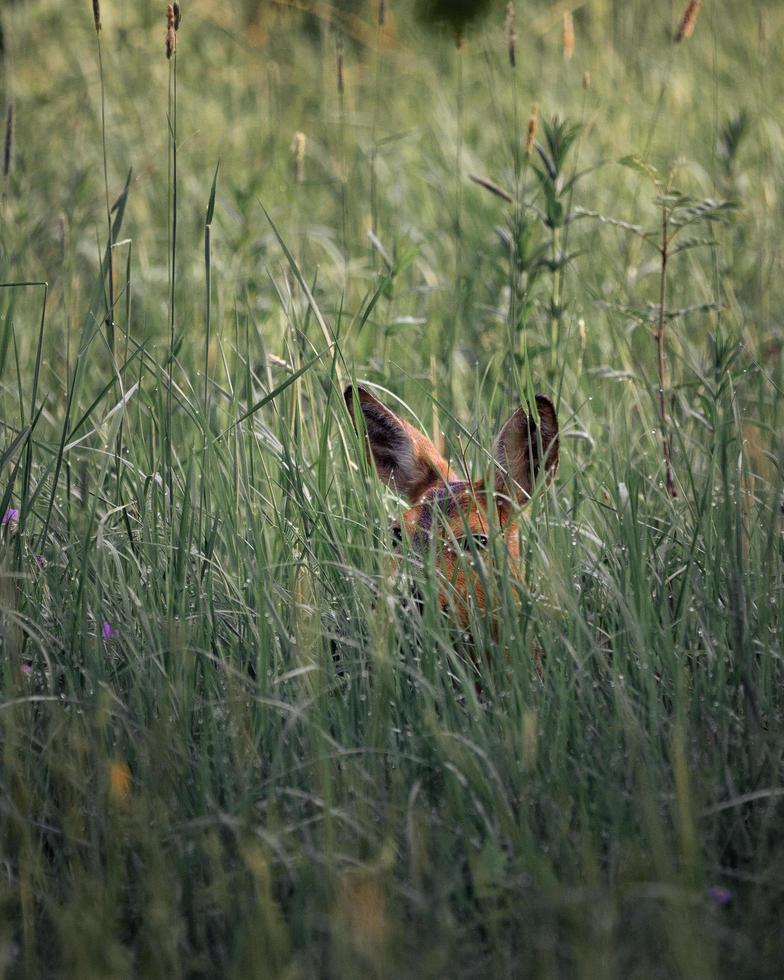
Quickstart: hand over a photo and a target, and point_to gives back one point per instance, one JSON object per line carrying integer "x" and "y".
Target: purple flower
{"x": 26, "y": 669}
{"x": 40, "y": 561}
{"x": 11, "y": 516}
{"x": 107, "y": 632}
{"x": 719, "y": 895}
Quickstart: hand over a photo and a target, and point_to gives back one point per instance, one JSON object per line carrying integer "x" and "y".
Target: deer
{"x": 447, "y": 514}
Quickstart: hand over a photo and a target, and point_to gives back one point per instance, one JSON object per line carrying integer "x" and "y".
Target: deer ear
{"x": 523, "y": 448}
{"x": 404, "y": 458}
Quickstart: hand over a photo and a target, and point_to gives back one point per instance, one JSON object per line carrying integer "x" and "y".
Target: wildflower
{"x": 107, "y": 632}
{"x": 26, "y": 669}
{"x": 10, "y": 517}
{"x": 719, "y": 895}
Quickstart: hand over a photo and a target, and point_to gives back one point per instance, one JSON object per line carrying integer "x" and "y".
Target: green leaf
{"x": 555, "y": 213}
{"x": 328, "y": 336}
{"x": 276, "y": 391}
{"x": 211, "y": 204}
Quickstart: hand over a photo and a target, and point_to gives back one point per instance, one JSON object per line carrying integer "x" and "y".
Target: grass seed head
{"x": 341, "y": 78}
{"x": 382, "y": 12}
{"x": 533, "y": 122}
{"x": 171, "y": 31}
{"x": 97, "y": 15}
{"x": 298, "y": 151}
{"x": 511, "y": 33}
{"x": 490, "y": 185}
{"x": 688, "y": 21}
{"x": 763, "y": 32}
{"x": 177, "y": 16}
{"x": 568, "y": 35}
{"x": 9, "y": 140}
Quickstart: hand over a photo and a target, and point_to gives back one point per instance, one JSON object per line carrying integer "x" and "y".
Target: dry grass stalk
{"x": 533, "y": 122}
{"x": 688, "y": 21}
{"x": 511, "y": 33}
{"x": 298, "y": 150}
{"x": 97, "y": 15}
{"x": 9, "y": 140}
{"x": 568, "y": 35}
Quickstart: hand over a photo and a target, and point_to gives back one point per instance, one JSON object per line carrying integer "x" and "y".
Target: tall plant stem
{"x": 172, "y": 270}
{"x": 459, "y": 175}
{"x": 458, "y": 221}
{"x": 374, "y": 131}
{"x": 207, "y": 337}
{"x": 344, "y": 199}
{"x": 555, "y": 307}
{"x": 110, "y": 256}
{"x": 665, "y": 432}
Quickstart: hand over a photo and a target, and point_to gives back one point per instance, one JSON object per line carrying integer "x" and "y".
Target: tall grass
{"x": 232, "y": 743}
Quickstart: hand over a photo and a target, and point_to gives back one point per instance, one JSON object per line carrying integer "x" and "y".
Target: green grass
{"x": 273, "y": 766}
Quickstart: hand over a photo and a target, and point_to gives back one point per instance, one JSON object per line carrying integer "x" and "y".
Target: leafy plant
{"x": 678, "y": 212}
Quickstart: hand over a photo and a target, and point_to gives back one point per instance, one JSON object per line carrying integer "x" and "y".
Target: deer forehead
{"x": 457, "y": 503}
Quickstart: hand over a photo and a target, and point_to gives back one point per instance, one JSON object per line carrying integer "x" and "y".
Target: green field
{"x": 231, "y": 744}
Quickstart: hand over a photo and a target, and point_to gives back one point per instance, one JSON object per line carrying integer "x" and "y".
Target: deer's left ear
{"x": 523, "y": 448}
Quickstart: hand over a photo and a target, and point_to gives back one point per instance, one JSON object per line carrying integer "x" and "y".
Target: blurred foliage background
{"x": 230, "y": 746}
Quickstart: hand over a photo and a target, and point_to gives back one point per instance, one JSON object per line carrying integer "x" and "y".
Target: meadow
{"x": 231, "y": 746}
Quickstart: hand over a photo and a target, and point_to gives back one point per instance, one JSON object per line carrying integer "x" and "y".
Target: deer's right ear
{"x": 403, "y": 458}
